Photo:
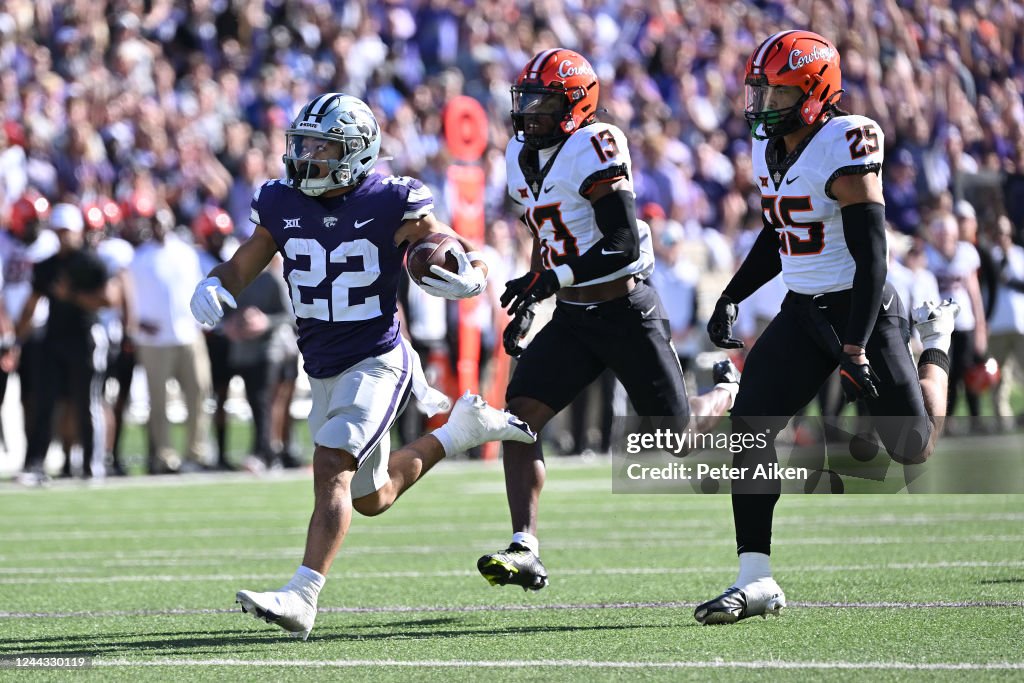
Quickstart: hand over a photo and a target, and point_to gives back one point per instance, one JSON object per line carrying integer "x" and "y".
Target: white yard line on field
{"x": 90, "y": 561}
{"x": 412, "y": 528}
{"x": 444, "y": 573}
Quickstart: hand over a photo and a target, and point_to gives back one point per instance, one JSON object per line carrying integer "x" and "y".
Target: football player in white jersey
{"x": 571, "y": 177}
{"x": 818, "y": 169}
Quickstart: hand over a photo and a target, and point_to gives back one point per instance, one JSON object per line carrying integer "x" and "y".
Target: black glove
{"x": 529, "y": 289}
{"x": 859, "y": 381}
{"x": 516, "y": 331}
{"x": 720, "y": 325}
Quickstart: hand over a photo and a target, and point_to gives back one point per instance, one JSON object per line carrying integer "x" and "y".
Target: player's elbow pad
{"x": 615, "y": 214}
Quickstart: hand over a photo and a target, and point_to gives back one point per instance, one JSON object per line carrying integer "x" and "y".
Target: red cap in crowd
{"x": 212, "y": 220}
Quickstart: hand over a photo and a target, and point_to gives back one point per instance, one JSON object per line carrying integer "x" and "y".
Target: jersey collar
{"x": 778, "y": 162}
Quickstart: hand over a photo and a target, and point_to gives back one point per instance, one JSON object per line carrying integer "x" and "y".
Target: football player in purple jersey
{"x": 343, "y": 230}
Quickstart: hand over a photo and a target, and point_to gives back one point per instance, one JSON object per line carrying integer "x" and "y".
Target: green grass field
{"x": 141, "y": 574}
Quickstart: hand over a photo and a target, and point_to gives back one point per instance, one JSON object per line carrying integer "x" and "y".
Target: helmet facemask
{"x": 331, "y": 150}
{"x": 772, "y": 111}
{"x": 541, "y": 117}
{"x": 316, "y": 164}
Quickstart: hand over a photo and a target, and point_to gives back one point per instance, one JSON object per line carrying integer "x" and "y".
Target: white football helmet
{"x": 331, "y": 118}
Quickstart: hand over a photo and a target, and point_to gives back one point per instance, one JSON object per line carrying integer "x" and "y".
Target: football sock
{"x": 527, "y": 540}
{"x": 306, "y": 583}
{"x": 753, "y": 566}
{"x": 447, "y": 442}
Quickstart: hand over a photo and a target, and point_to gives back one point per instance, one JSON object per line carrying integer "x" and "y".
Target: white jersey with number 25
{"x": 800, "y": 207}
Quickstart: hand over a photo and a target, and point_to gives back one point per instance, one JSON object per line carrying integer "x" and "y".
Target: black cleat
{"x": 724, "y": 372}
{"x": 516, "y": 565}
{"x": 759, "y": 598}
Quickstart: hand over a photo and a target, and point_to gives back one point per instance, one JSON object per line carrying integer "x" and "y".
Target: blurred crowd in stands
{"x": 158, "y": 119}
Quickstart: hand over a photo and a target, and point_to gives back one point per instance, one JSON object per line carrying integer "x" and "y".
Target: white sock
{"x": 732, "y": 387}
{"x": 753, "y": 566}
{"x": 527, "y": 540}
{"x": 443, "y": 434}
{"x": 306, "y": 583}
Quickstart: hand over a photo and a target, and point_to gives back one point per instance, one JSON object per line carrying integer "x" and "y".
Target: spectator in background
{"x": 74, "y": 345}
{"x": 967, "y": 225}
{"x": 102, "y": 222}
{"x": 118, "y": 250}
{"x": 168, "y": 341}
{"x": 257, "y": 329}
{"x": 13, "y": 166}
{"x": 909, "y": 275}
{"x": 23, "y": 245}
{"x": 284, "y": 371}
{"x": 1006, "y": 326}
{"x": 902, "y": 203}
{"x": 675, "y": 278}
{"x": 253, "y": 174}
{"x": 955, "y": 264}
{"x": 211, "y": 230}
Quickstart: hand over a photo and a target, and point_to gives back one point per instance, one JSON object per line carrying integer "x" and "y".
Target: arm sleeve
{"x": 760, "y": 266}
{"x": 864, "y": 229}
{"x": 619, "y": 245}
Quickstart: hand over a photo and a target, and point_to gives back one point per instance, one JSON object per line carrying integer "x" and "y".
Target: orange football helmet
{"x": 792, "y": 80}
{"x": 555, "y": 95}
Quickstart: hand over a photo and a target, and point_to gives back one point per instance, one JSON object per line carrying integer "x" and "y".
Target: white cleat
{"x": 287, "y": 609}
{"x": 934, "y": 322}
{"x": 760, "y": 598}
{"x": 473, "y": 422}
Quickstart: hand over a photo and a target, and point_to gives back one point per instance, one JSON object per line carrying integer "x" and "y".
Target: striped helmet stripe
{"x": 762, "y": 54}
{"x": 538, "y": 63}
{"x": 318, "y": 108}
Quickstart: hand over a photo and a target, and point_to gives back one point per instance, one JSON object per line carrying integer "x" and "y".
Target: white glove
{"x": 206, "y": 301}
{"x": 467, "y": 282}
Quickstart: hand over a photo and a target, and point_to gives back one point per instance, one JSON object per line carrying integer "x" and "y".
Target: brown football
{"x": 433, "y": 250}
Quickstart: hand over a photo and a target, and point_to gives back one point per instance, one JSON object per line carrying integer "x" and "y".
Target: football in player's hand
{"x": 436, "y": 249}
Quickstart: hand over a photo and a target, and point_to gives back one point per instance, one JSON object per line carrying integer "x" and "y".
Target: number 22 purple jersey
{"x": 342, "y": 265}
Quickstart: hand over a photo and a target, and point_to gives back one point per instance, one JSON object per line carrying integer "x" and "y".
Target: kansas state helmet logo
{"x": 330, "y": 221}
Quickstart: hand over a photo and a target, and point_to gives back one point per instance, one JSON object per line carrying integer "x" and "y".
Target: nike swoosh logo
{"x": 359, "y": 224}
{"x": 648, "y": 312}
{"x": 789, "y": 181}
{"x": 549, "y": 188}
{"x": 885, "y": 306}
{"x": 605, "y": 252}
